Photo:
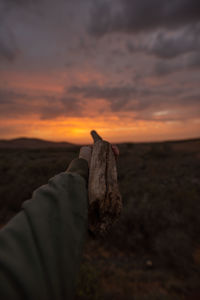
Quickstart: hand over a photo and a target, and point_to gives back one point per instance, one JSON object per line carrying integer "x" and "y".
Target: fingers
{"x": 115, "y": 150}
{"x": 86, "y": 153}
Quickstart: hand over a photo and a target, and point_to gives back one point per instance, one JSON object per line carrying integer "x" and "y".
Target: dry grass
{"x": 160, "y": 185}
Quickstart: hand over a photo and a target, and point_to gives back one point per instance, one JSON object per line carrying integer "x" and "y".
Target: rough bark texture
{"x": 105, "y": 201}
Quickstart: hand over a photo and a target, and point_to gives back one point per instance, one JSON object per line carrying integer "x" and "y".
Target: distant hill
{"x": 32, "y": 143}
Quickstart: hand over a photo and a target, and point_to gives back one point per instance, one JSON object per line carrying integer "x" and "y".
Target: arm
{"x": 40, "y": 248}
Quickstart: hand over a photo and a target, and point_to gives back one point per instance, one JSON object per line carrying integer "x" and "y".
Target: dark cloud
{"x": 167, "y": 45}
{"x": 191, "y": 98}
{"x": 15, "y": 2}
{"x": 12, "y": 4}
{"x": 123, "y": 93}
{"x": 165, "y": 109}
{"x": 163, "y": 68}
{"x": 8, "y": 47}
{"x": 49, "y": 44}
{"x": 117, "y": 52}
{"x": 100, "y": 18}
{"x": 104, "y": 92}
{"x": 156, "y": 103}
{"x": 193, "y": 61}
{"x": 120, "y": 98}
{"x": 136, "y": 16}
{"x": 6, "y": 53}
{"x": 9, "y": 96}
{"x": 143, "y": 102}
{"x": 58, "y": 107}
{"x": 15, "y": 104}
{"x": 190, "y": 63}
{"x": 117, "y": 96}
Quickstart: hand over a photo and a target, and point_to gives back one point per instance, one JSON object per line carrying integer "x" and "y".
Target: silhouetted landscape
{"x": 153, "y": 251}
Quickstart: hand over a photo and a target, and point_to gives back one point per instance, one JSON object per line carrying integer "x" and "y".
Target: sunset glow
{"x": 65, "y": 73}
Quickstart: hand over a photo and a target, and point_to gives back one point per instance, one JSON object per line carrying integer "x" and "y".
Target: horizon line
{"x": 123, "y": 142}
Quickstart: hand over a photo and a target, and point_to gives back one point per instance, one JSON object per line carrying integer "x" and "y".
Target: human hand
{"x": 86, "y": 152}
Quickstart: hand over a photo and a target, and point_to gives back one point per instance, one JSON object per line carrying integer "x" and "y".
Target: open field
{"x": 153, "y": 252}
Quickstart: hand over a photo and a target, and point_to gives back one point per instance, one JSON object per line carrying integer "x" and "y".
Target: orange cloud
{"x": 96, "y": 113}
{"x": 112, "y": 128}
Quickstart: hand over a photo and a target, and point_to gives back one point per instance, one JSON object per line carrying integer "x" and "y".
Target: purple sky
{"x": 124, "y": 67}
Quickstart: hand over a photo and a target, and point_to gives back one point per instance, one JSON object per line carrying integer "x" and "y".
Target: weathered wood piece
{"x": 105, "y": 202}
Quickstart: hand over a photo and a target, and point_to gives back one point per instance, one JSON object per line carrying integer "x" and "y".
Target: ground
{"x": 153, "y": 251}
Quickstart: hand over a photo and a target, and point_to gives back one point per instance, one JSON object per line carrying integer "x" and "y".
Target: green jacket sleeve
{"x": 41, "y": 247}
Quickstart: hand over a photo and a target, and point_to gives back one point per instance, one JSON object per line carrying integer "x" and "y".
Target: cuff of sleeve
{"x": 79, "y": 166}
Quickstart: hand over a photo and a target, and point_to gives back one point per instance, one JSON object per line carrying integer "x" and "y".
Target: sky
{"x": 128, "y": 68}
